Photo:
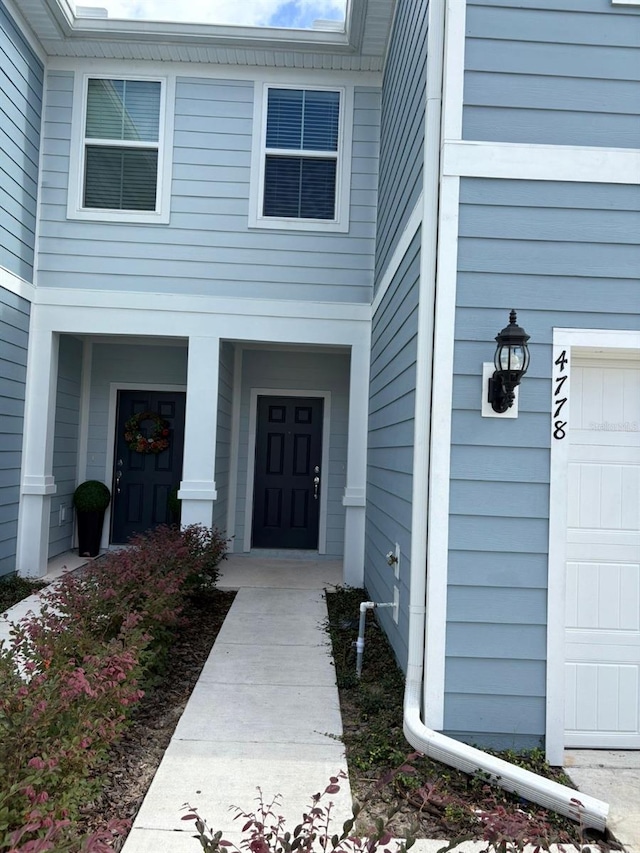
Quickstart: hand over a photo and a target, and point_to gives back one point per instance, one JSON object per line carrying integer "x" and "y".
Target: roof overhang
{"x": 63, "y": 33}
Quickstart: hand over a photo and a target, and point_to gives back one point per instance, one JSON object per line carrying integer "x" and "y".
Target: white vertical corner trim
{"x": 440, "y": 454}
{"x": 343, "y": 161}
{"x": 110, "y": 455}
{"x": 454, "y": 59}
{"x": 254, "y": 393}
{"x": 565, "y": 340}
{"x": 234, "y": 452}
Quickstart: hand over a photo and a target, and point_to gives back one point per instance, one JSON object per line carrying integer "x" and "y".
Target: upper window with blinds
{"x": 120, "y": 172}
{"x": 302, "y": 162}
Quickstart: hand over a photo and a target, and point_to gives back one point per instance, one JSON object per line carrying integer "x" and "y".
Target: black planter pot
{"x": 90, "y": 532}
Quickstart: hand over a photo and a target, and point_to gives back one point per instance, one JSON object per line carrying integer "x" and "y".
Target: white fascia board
{"x": 14, "y": 284}
{"x": 541, "y": 162}
{"x": 25, "y": 29}
{"x": 207, "y": 71}
{"x": 183, "y": 304}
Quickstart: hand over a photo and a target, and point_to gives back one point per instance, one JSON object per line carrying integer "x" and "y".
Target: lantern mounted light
{"x": 511, "y": 362}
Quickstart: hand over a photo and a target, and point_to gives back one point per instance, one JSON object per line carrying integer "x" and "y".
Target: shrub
{"x": 91, "y": 496}
{"x": 73, "y": 674}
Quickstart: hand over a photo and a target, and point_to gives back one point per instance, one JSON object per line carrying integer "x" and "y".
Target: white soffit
{"x": 361, "y": 48}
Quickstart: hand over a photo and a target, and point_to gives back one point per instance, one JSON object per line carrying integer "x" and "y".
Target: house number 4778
{"x": 560, "y": 397}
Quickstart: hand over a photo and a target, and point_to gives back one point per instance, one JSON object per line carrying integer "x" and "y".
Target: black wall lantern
{"x": 511, "y": 362}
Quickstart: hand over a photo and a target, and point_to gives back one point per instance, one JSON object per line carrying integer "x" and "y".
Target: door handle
{"x": 316, "y": 482}
{"x": 118, "y": 478}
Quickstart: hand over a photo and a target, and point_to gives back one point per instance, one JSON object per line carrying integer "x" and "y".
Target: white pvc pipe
{"x": 592, "y": 812}
{"x": 364, "y": 606}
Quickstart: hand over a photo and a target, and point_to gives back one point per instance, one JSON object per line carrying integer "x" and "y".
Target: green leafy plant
{"x": 13, "y": 589}
{"x": 91, "y": 496}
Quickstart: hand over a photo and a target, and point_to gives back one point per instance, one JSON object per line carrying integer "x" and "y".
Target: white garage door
{"x": 602, "y": 703}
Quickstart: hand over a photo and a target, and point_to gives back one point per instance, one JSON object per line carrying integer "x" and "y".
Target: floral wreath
{"x": 159, "y": 439}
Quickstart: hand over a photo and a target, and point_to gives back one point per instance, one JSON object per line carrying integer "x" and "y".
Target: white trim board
{"x": 254, "y": 393}
{"x": 541, "y": 162}
{"x": 571, "y": 341}
{"x": 16, "y": 285}
{"x": 402, "y": 246}
{"x": 174, "y": 303}
{"x": 25, "y": 30}
{"x": 205, "y": 70}
{"x": 437, "y": 517}
{"x": 454, "y": 66}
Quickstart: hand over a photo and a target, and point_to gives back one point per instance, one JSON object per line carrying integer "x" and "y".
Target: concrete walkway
{"x": 613, "y": 776}
{"x": 265, "y": 711}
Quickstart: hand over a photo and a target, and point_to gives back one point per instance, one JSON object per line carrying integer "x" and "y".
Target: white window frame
{"x": 625, "y": 2}
{"x": 343, "y": 162}
{"x": 75, "y": 208}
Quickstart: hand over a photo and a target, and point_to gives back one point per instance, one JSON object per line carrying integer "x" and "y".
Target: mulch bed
{"x": 136, "y": 758}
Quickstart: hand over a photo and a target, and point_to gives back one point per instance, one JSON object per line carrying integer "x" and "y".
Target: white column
{"x": 354, "y": 499}
{"x": 37, "y": 484}
{"x": 198, "y": 487}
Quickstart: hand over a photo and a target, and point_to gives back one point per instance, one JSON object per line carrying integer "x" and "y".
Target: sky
{"x": 256, "y": 13}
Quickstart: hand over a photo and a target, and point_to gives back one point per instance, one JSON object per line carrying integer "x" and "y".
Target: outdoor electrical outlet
{"x": 62, "y": 514}
{"x": 396, "y": 604}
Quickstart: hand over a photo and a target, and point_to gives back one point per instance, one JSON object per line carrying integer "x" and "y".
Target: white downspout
{"x": 593, "y": 812}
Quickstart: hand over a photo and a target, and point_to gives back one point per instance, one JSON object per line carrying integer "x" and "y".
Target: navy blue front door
{"x": 142, "y": 481}
{"x": 286, "y": 503}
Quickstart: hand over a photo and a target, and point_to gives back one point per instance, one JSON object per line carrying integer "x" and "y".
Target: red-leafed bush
{"x": 73, "y": 674}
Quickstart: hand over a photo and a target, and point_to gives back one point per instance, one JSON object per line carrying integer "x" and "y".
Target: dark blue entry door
{"x": 142, "y": 481}
{"x": 288, "y": 478}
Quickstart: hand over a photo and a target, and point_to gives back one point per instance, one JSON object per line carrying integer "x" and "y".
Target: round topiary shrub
{"x": 91, "y": 496}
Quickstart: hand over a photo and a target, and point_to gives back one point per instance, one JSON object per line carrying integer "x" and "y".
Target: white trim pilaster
{"x": 37, "y": 483}
{"x": 354, "y": 499}
{"x": 198, "y": 487}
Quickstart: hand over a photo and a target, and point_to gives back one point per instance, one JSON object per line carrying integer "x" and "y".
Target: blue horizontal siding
{"x": 390, "y": 444}
{"x": 14, "y": 336}
{"x": 562, "y": 73}
{"x": 564, "y": 255}
{"x": 402, "y": 126}
{"x": 208, "y": 248}
{"x": 20, "y": 114}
